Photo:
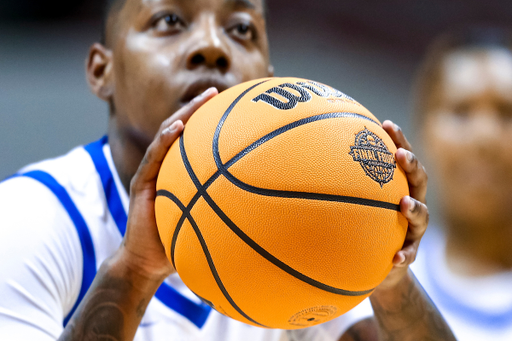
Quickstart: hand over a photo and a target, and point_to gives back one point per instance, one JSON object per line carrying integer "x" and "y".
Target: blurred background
{"x": 369, "y": 49}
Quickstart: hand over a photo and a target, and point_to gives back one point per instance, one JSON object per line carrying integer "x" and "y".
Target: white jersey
{"x": 476, "y": 308}
{"x": 59, "y": 220}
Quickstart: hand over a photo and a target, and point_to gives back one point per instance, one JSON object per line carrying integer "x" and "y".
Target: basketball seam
{"x": 186, "y": 212}
{"x": 208, "y": 256}
{"x": 196, "y": 197}
{"x": 251, "y": 243}
{"x": 223, "y": 168}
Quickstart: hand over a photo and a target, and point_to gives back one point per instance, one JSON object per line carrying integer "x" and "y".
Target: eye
{"x": 462, "y": 110}
{"x": 242, "y": 31}
{"x": 168, "y": 23}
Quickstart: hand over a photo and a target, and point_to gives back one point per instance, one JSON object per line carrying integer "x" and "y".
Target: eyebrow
{"x": 241, "y": 3}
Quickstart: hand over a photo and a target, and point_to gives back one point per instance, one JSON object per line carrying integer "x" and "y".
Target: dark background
{"x": 369, "y": 49}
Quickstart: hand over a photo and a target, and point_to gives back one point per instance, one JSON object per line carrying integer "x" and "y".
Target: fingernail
{"x": 170, "y": 129}
{"x": 206, "y": 92}
{"x": 402, "y": 260}
{"x": 410, "y": 156}
{"x": 396, "y": 127}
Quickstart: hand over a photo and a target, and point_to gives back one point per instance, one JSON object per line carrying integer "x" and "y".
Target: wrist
{"x": 391, "y": 291}
{"x": 125, "y": 264}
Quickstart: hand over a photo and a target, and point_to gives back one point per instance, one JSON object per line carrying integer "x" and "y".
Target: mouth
{"x": 198, "y": 87}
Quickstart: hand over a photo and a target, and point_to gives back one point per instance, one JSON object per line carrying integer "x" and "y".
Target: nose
{"x": 209, "y": 49}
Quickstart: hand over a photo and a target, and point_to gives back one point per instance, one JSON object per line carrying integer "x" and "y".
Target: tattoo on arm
{"x": 101, "y": 317}
{"x": 409, "y": 314}
{"x": 111, "y": 310}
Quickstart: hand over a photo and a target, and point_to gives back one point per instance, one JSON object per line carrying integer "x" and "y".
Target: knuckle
{"x": 149, "y": 156}
{"x": 166, "y": 123}
{"x": 427, "y": 215}
{"x": 419, "y": 176}
{"x": 417, "y": 207}
{"x": 145, "y": 159}
{"x": 413, "y": 160}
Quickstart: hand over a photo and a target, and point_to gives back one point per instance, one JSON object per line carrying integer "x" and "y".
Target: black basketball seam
{"x": 185, "y": 214}
{"x": 186, "y": 211}
{"x": 223, "y": 168}
{"x": 202, "y": 191}
{"x": 277, "y": 193}
{"x": 251, "y": 243}
{"x": 305, "y": 195}
{"x": 209, "y": 259}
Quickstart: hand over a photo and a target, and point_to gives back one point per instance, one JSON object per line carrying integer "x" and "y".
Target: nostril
{"x": 222, "y": 63}
{"x": 197, "y": 59}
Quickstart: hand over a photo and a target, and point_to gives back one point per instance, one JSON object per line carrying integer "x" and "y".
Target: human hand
{"x": 413, "y": 207}
{"x": 142, "y": 250}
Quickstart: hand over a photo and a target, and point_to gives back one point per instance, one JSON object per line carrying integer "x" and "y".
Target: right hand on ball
{"x": 413, "y": 207}
{"x": 142, "y": 250}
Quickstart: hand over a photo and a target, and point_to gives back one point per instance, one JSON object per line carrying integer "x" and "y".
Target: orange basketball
{"x": 279, "y": 204}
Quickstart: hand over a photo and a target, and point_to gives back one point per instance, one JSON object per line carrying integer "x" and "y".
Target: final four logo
{"x": 373, "y": 156}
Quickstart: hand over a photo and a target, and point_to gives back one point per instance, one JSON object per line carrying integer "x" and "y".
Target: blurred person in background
{"x": 464, "y": 114}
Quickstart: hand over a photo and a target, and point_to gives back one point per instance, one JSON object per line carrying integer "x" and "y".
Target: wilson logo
{"x": 287, "y": 95}
{"x": 374, "y": 157}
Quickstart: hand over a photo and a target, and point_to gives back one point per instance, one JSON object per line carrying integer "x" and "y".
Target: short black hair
{"x": 110, "y": 7}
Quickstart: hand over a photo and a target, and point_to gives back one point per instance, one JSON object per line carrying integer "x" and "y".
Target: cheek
{"x": 444, "y": 142}
{"x": 144, "y": 93}
{"x": 249, "y": 66}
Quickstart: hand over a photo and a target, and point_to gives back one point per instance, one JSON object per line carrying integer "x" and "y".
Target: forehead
{"x": 468, "y": 72}
{"x": 201, "y": 5}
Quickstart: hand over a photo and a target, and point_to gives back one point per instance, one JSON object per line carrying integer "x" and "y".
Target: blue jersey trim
{"x": 197, "y": 313}
{"x": 89, "y": 267}
{"x": 194, "y": 312}
{"x": 115, "y": 205}
{"x": 459, "y": 308}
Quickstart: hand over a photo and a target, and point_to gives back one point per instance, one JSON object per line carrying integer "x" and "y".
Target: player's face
{"x": 168, "y": 51}
{"x": 469, "y": 134}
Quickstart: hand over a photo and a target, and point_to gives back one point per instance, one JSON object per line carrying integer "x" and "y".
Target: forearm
{"x": 405, "y": 312}
{"x": 114, "y": 305}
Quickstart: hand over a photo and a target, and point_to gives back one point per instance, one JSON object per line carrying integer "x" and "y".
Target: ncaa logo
{"x": 374, "y": 157}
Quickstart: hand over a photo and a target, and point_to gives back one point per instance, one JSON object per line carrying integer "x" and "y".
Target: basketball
{"x": 279, "y": 204}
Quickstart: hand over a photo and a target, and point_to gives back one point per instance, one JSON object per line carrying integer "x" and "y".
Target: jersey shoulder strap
{"x": 89, "y": 257}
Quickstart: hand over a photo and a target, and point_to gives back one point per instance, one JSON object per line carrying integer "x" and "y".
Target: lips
{"x": 198, "y": 87}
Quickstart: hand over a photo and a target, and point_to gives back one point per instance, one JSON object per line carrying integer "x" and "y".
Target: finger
{"x": 155, "y": 154}
{"x": 186, "y": 111}
{"x": 415, "y": 172}
{"x": 396, "y": 134}
{"x": 417, "y": 216}
{"x": 169, "y": 131}
{"x": 406, "y": 256}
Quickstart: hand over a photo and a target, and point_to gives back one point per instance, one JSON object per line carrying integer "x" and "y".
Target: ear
{"x": 99, "y": 71}
{"x": 271, "y": 70}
